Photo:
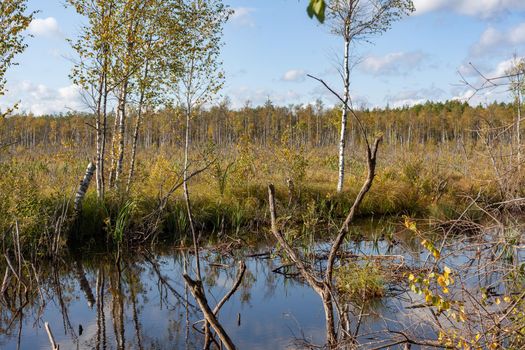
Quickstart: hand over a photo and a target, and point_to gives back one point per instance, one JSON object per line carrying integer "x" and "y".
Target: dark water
{"x": 141, "y": 302}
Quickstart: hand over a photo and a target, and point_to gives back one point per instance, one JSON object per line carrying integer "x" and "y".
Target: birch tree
{"x": 152, "y": 78}
{"x": 196, "y": 68}
{"x": 198, "y": 76}
{"x": 92, "y": 72}
{"x": 134, "y": 51}
{"x": 353, "y": 21}
{"x": 14, "y": 20}
{"x": 119, "y": 50}
{"x": 517, "y": 85}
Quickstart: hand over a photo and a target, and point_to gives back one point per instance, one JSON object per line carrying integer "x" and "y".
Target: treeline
{"x": 295, "y": 126}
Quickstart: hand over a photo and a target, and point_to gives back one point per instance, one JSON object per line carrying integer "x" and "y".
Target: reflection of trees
{"x": 117, "y": 304}
{"x": 117, "y": 290}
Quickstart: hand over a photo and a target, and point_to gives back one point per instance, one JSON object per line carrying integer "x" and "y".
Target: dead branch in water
{"x": 198, "y": 293}
{"x": 54, "y": 345}
{"x": 324, "y": 285}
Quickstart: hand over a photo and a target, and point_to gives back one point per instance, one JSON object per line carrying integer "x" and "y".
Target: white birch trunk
{"x": 344, "y": 114}
{"x": 121, "y": 132}
{"x": 136, "y": 133}
{"x": 518, "y": 123}
{"x": 84, "y": 184}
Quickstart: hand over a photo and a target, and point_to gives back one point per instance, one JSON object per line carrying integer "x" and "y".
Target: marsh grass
{"x": 360, "y": 282}
{"x": 232, "y": 197}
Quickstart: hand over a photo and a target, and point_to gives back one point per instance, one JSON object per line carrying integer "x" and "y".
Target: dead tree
{"x": 210, "y": 316}
{"x": 323, "y": 285}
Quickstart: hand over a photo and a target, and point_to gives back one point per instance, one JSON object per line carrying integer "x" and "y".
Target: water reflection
{"x": 140, "y": 301}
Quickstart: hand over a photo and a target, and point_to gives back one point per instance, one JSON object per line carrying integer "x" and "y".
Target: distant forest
{"x": 297, "y": 126}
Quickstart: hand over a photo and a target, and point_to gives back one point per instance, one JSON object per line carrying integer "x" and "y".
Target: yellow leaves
{"x": 442, "y": 281}
{"x": 410, "y": 224}
{"x": 428, "y": 298}
{"x": 462, "y": 316}
{"x": 431, "y": 248}
{"x": 447, "y": 271}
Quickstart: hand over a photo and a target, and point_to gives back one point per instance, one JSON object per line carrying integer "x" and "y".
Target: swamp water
{"x": 92, "y": 302}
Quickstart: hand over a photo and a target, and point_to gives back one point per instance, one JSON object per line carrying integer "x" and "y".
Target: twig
{"x": 54, "y": 345}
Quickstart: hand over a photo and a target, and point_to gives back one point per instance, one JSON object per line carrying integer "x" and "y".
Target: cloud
{"x": 475, "y": 98}
{"x": 478, "y": 76}
{"x": 241, "y": 95}
{"x": 492, "y": 39}
{"x": 242, "y": 16}
{"x": 503, "y": 67}
{"x": 294, "y": 75}
{"x": 480, "y": 90}
{"x": 392, "y": 63}
{"x": 40, "y": 99}
{"x": 414, "y": 97}
{"x": 476, "y": 8}
{"x": 45, "y": 27}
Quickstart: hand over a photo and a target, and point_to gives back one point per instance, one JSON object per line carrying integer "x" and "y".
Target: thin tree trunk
{"x": 344, "y": 115}
{"x": 518, "y": 124}
{"x": 112, "y": 170}
{"x": 99, "y": 141}
{"x": 121, "y": 131}
{"x": 187, "y": 192}
{"x": 136, "y": 133}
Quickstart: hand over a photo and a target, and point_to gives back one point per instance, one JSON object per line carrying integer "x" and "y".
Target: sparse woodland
{"x": 160, "y": 161}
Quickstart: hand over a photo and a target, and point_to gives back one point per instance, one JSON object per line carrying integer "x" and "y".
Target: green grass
{"x": 360, "y": 283}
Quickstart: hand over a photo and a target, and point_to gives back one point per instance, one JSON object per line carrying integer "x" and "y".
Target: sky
{"x": 270, "y": 46}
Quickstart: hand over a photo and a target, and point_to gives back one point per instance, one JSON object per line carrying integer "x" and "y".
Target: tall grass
{"x": 427, "y": 180}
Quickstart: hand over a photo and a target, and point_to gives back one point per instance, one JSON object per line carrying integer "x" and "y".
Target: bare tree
{"x": 323, "y": 284}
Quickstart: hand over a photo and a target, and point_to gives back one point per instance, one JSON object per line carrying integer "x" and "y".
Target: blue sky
{"x": 270, "y": 45}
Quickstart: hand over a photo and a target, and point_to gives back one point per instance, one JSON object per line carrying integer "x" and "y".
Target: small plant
{"x": 360, "y": 283}
{"x": 122, "y": 221}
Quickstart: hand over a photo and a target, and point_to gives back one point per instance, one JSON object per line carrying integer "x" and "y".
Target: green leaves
{"x": 14, "y": 20}
{"x": 317, "y": 8}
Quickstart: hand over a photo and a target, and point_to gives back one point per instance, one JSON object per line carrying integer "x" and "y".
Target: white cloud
{"x": 502, "y": 68}
{"x": 45, "y": 27}
{"x": 392, "y": 63}
{"x": 40, "y": 99}
{"x": 483, "y": 97}
{"x": 465, "y": 95}
{"x": 486, "y": 85}
{"x": 492, "y": 39}
{"x": 413, "y": 97}
{"x": 477, "y": 8}
{"x": 240, "y": 95}
{"x": 243, "y": 16}
{"x": 294, "y": 75}
{"x": 517, "y": 34}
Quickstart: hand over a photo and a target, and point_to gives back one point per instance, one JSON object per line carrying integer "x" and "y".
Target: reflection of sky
{"x": 274, "y": 311}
